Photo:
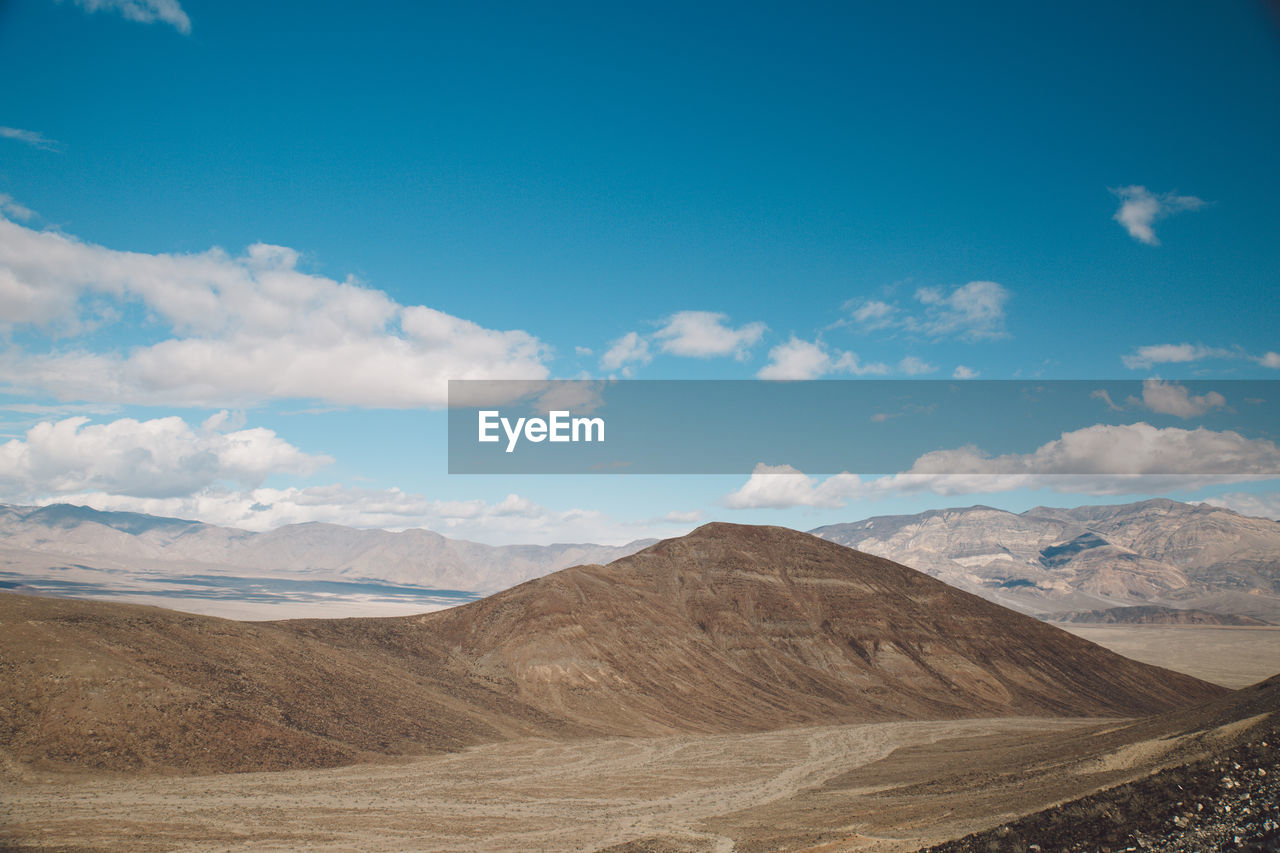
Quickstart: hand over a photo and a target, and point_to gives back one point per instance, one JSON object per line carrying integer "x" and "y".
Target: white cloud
{"x": 1170, "y": 398}
{"x": 1149, "y": 356}
{"x": 513, "y": 520}
{"x": 244, "y": 329}
{"x": 158, "y": 458}
{"x": 801, "y": 359}
{"x": 1258, "y": 505}
{"x": 876, "y": 315}
{"x": 962, "y": 372}
{"x": 1140, "y": 209}
{"x": 626, "y": 350}
{"x": 1146, "y": 357}
{"x": 31, "y": 137}
{"x": 144, "y": 11}
{"x": 913, "y": 366}
{"x": 1120, "y": 449}
{"x": 707, "y": 334}
{"x": 783, "y": 487}
{"x": 974, "y": 311}
{"x": 13, "y": 210}
{"x": 1097, "y": 460}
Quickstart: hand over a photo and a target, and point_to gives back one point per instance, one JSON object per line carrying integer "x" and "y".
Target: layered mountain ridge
{"x": 1045, "y": 560}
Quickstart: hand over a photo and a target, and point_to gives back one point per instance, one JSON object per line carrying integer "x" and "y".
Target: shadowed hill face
{"x": 731, "y": 628}
{"x": 737, "y": 626}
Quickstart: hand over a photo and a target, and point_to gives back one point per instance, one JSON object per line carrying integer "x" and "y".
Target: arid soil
{"x": 522, "y": 795}
{"x": 878, "y": 787}
{"x": 1232, "y": 657}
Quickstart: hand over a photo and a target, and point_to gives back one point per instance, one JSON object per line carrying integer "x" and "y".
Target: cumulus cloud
{"x": 974, "y": 311}
{"x": 962, "y": 372}
{"x": 707, "y": 334}
{"x": 784, "y": 487}
{"x": 244, "y": 330}
{"x": 158, "y": 458}
{"x": 1098, "y": 460}
{"x": 1170, "y": 398}
{"x": 627, "y": 350}
{"x": 144, "y": 11}
{"x": 1140, "y": 209}
{"x": 31, "y": 137}
{"x": 1258, "y": 505}
{"x": 801, "y": 359}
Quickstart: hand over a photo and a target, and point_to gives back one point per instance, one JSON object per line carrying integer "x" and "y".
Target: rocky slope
{"x": 731, "y": 628}
{"x": 1223, "y": 793}
{"x": 1045, "y": 560}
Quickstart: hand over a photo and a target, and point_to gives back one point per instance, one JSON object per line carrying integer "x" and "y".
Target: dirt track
{"x": 523, "y": 795}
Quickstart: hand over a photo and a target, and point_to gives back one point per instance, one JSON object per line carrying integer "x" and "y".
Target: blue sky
{"x": 1003, "y": 190}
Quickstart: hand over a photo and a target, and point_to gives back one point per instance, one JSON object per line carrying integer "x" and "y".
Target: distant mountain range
{"x": 731, "y": 628}
{"x": 61, "y": 533}
{"x": 1046, "y": 560}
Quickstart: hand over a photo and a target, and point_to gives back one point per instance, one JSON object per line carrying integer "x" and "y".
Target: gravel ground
{"x": 1231, "y": 802}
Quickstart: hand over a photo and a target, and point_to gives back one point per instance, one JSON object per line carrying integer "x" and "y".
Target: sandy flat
{"x": 524, "y": 795}
{"x": 1232, "y": 657}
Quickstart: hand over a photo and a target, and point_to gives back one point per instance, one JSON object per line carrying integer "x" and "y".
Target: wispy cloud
{"x": 243, "y": 330}
{"x": 1105, "y": 396}
{"x": 13, "y": 210}
{"x": 1140, "y": 209}
{"x": 973, "y": 312}
{"x": 144, "y": 11}
{"x": 1146, "y": 357}
{"x": 30, "y": 137}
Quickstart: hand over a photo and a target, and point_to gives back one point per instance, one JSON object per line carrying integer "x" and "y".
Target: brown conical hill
{"x": 731, "y": 628}
{"x": 741, "y": 627}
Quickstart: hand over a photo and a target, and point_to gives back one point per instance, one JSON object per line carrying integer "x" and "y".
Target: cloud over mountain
{"x": 160, "y": 458}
